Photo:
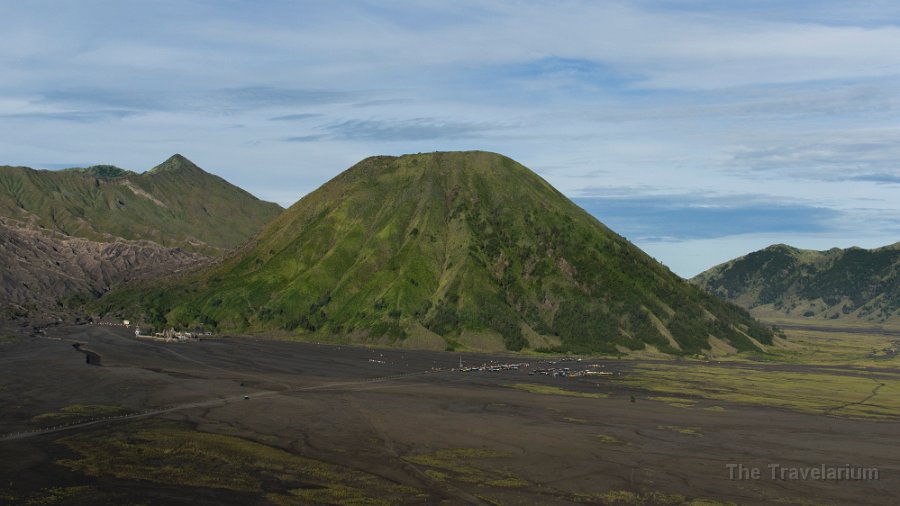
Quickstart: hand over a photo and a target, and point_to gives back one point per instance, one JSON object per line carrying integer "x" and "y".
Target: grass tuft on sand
{"x": 688, "y": 431}
{"x": 628, "y": 498}
{"x": 551, "y": 390}
{"x": 170, "y": 454}
{"x": 459, "y": 465}
{"x": 76, "y": 412}
{"x": 847, "y": 392}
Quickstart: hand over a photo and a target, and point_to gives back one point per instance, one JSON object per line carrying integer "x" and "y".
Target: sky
{"x": 700, "y": 130}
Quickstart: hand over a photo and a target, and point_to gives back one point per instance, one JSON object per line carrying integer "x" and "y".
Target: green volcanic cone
{"x": 443, "y": 247}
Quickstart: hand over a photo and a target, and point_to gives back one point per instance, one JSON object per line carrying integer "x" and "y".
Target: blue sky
{"x": 700, "y": 130}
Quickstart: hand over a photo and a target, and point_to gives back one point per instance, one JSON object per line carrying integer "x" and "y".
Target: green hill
{"x": 849, "y": 284}
{"x": 176, "y": 204}
{"x": 448, "y": 249}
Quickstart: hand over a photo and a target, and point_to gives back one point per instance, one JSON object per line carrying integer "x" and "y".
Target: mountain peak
{"x": 175, "y": 163}
{"x": 781, "y": 247}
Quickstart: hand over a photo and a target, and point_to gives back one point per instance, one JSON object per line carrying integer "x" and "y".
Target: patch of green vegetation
{"x": 688, "y": 431}
{"x": 8, "y": 339}
{"x": 832, "y": 345}
{"x": 507, "y": 482}
{"x": 628, "y": 498}
{"x": 79, "y": 411}
{"x": 92, "y": 409}
{"x": 493, "y": 501}
{"x": 678, "y": 402}
{"x": 838, "y": 392}
{"x": 607, "y": 439}
{"x": 337, "y": 494}
{"x": 625, "y": 497}
{"x": 61, "y": 495}
{"x": 172, "y": 455}
{"x": 551, "y": 390}
{"x": 459, "y": 464}
{"x": 441, "y": 457}
{"x": 437, "y": 475}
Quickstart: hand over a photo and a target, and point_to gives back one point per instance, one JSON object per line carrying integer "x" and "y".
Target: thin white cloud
{"x": 850, "y": 154}
{"x": 785, "y": 100}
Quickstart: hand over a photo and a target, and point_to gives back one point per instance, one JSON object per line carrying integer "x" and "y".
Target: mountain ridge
{"x": 783, "y": 281}
{"x": 105, "y": 171}
{"x": 176, "y": 204}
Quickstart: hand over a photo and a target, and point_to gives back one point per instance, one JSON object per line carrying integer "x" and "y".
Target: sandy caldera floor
{"x": 122, "y": 420}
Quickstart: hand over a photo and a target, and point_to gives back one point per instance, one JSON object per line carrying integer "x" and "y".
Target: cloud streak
{"x": 296, "y": 117}
{"x": 414, "y": 129}
{"x": 654, "y": 111}
{"x": 72, "y": 116}
{"x": 867, "y": 155}
{"x": 684, "y": 217}
{"x": 398, "y": 130}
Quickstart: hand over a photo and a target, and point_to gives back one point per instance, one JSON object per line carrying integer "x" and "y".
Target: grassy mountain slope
{"x": 852, "y": 284}
{"x": 447, "y": 247}
{"x": 176, "y": 204}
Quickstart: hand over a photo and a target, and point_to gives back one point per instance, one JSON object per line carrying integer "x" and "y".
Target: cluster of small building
{"x": 589, "y": 372}
{"x": 492, "y": 367}
{"x": 554, "y": 369}
{"x": 110, "y": 323}
{"x": 567, "y": 372}
{"x": 171, "y": 335}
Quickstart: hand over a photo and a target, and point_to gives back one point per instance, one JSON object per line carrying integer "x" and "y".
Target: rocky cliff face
{"x": 40, "y": 269}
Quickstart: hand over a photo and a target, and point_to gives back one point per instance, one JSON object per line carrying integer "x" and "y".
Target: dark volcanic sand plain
{"x": 336, "y": 424}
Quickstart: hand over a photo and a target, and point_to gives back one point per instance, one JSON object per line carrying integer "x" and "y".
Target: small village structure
{"x": 171, "y": 335}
